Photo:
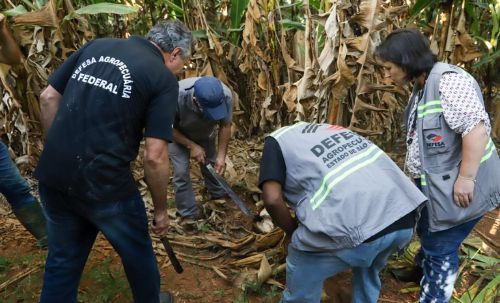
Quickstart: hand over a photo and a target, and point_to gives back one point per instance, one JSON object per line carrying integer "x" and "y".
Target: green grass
{"x": 106, "y": 282}
{"x": 4, "y": 264}
{"x": 26, "y": 289}
{"x": 102, "y": 282}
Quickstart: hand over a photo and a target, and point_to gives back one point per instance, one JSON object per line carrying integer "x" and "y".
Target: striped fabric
{"x": 343, "y": 171}
{"x": 490, "y": 149}
{"x": 428, "y": 108}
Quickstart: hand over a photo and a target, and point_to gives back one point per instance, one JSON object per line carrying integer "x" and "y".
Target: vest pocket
{"x": 443, "y": 212}
{"x": 434, "y": 139}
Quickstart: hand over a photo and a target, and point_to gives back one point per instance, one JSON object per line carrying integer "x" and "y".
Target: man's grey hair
{"x": 171, "y": 34}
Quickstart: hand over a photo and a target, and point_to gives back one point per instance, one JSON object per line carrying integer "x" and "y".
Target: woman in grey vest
{"x": 449, "y": 155}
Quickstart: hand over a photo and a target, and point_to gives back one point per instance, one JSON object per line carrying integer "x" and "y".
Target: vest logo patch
{"x": 434, "y": 140}
{"x": 335, "y": 127}
{"x": 311, "y": 128}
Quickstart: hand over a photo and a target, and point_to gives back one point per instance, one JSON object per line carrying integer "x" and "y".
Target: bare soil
{"x": 195, "y": 284}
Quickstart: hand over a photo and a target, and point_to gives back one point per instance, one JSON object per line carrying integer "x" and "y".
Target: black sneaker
{"x": 413, "y": 274}
{"x": 166, "y": 297}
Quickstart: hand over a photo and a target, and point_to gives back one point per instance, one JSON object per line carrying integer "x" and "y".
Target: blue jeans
{"x": 73, "y": 225}
{"x": 12, "y": 185}
{"x": 438, "y": 258}
{"x": 306, "y": 271}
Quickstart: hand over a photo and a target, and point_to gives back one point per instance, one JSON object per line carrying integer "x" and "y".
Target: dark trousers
{"x": 73, "y": 225}
{"x": 12, "y": 185}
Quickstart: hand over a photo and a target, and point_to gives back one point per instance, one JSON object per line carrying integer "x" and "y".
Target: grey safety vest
{"x": 343, "y": 188}
{"x": 441, "y": 153}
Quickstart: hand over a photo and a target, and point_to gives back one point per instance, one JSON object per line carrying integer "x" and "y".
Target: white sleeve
{"x": 462, "y": 108}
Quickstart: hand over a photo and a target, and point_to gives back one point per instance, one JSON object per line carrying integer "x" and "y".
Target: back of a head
{"x": 408, "y": 49}
{"x": 210, "y": 95}
{"x": 169, "y": 35}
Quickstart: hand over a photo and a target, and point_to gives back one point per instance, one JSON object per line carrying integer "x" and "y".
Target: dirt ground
{"x": 206, "y": 252}
{"x": 21, "y": 270}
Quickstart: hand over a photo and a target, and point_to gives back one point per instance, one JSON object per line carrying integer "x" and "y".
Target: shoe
{"x": 413, "y": 274}
{"x": 189, "y": 223}
{"x": 198, "y": 216}
{"x": 33, "y": 219}
{"x": 166, "y": 297}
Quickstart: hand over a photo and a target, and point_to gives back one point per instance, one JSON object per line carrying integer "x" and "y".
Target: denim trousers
{"x": 184, "y": 196}
{"x": 73, "y": 225}
{"x": 438, "y": 258}
{"x": 12, "y": 185}
{"x": 306, "y": 271}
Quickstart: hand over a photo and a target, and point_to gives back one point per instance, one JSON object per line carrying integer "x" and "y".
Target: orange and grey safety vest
{"x": 344, "y": 189}
{"x": 441, "y": 154}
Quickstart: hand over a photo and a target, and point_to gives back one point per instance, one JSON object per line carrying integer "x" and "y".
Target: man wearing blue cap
{"x": 203, "y": 103}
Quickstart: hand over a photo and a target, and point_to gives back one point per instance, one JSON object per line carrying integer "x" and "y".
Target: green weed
{"x": 204, "y": 228}
{"x": 171, "y": 203}
{"x": 107, "y": 283}
{"x": 4, "y": 264}
{"x": 268, "y": 294}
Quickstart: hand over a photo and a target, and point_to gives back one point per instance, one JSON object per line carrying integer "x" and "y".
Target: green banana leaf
{"x": 106, "y": 8}
{"x": 18, "y": 10}
{"x": 489, "y": 292}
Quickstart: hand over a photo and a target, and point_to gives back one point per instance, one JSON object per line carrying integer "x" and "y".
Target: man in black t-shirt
{"x": 98, "y": 106}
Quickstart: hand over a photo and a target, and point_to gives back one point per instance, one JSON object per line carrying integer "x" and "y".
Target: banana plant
{"x": 103, "y": 8}
{"x": 237, "y": 10}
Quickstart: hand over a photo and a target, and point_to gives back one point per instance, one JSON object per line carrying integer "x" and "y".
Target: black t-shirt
{"x": 115, "y": 91}
{"x": 273, "y": 168}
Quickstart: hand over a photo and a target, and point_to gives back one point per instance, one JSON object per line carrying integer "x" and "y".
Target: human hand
{"x": 2, "y": 20}
{"x": 463, "y": 192}
{"x": 198, "y": 153}
{"x": 161, "y": 223}
{"x": 220, "y": 165}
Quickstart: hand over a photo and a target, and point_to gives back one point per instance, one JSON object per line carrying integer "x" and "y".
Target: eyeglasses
{"x": 189, "y": 65}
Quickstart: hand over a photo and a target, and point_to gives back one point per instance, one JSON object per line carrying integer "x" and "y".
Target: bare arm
{"x": 197, "y": 152}
{"x": 276, "y": 206}
{"x": 156, "y": 174}
{"x": 10, "y": 52}
{"x": 473, "y": 145}
{"x": 49, "y": 104}
{"x": 224, "y": 136}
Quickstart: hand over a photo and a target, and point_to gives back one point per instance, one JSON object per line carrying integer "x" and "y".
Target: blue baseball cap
{"x": 210, "y": 94}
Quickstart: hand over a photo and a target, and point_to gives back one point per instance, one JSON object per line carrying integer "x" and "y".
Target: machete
{"x": 230, "y": 192}
{"x": 171, "y": 255}
{"x": 170, "y": 252}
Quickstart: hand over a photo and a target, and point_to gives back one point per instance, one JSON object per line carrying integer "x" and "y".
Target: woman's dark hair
{"x": 408, "y": 49}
